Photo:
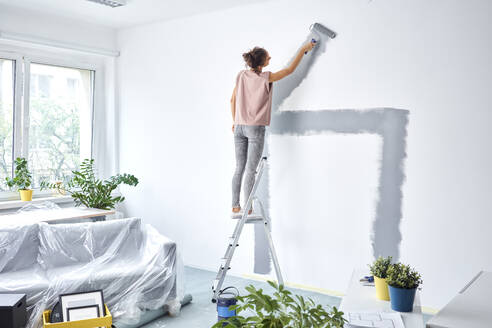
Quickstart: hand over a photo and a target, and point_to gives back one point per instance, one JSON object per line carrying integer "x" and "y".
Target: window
{"x": 60, "y": 109}
{"x": 40, "y": 85}
{"x": 50, "y": 124}
{"x": 6, "y": 119}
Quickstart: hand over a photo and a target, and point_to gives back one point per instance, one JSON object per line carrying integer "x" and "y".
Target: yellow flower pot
{"x": 381, "y": 288}
{"x": 26, "y": 195}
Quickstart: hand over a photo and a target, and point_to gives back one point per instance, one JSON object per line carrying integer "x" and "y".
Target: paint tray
{"x": 105, "y": 321}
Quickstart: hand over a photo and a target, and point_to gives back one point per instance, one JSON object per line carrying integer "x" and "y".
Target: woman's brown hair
{"x": 255, "y": 58}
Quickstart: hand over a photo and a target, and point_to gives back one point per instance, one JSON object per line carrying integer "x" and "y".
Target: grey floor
{"x": 201, "y": 313}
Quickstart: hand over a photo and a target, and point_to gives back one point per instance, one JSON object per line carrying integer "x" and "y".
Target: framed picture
{"x": 82, "y": 312}
{"x": 75, "y": 300}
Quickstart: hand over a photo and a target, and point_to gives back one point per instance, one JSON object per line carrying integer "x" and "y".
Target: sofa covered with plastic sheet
{"x": 134, "y": 265}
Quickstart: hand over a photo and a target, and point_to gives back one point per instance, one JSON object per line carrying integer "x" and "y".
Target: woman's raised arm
{"x": 286, "y": 71}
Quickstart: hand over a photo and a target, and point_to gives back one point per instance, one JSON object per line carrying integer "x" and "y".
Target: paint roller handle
{"x": 313, "y": 41}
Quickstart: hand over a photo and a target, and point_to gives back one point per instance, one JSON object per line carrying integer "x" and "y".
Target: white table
{"x": 470, "y": 308}
{"x": 361, "y": 298}
{"x": 61, "y": 215}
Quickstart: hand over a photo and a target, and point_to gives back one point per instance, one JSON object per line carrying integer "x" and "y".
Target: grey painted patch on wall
{"x": 389, "y": 123}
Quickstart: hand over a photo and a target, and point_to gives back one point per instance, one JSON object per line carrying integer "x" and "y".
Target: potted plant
{"x": 283, "y": 309}
{"x": 379, "y": 269}
{"x": 90, "y": 191}
{"x": 22, "y": 179}
{"x": 403, "y": 282}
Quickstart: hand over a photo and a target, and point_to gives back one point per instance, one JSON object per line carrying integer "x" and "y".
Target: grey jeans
{"x": 248, "y": 141}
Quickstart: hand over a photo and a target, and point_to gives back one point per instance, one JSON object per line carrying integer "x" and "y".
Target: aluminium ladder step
{"x": 252, "y": 218}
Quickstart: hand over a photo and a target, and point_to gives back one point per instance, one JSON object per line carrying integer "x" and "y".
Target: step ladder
{"x": 242, "y": 219}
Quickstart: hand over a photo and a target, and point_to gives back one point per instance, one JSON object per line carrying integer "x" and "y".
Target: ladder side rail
{"x": 218, "y": 287}
{"x": 274, "y": 254}
{"x": 224, "y": 267}
{"x": 266, "y": 226}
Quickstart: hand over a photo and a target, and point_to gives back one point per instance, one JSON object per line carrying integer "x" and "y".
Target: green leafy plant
{"x": 22, "y": 179}
{"x": 90, "y": 191}
{"x": 403, "y": 276}
{"x": 282, "y": 310}
{"x": 380, "y": 267}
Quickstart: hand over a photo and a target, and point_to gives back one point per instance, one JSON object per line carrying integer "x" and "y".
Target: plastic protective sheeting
{"x": 134, "y": 265}
{"x": 44, "y": 206}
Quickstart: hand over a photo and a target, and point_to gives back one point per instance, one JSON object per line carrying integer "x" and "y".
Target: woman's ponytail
{"x": 255, "y": 58}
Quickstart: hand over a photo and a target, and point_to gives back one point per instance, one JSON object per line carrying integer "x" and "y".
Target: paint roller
{"x": 319, "y": 29}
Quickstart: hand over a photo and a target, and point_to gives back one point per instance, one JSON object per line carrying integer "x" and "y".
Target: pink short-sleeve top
{"x": 253, "y": 98}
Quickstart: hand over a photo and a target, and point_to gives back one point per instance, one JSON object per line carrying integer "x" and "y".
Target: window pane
{"x": 60, "y": 126}
{"x": 6, "y": 119}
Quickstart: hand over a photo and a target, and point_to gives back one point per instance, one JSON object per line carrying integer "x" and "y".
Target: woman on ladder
{"x": 251, "y": 105}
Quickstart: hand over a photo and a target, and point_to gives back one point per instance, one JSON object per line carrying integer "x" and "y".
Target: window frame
{"x": 18, "y": 80}
{"x": 23, "y": 60}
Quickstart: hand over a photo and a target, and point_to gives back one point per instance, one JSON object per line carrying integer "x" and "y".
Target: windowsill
{"x": 13, "y": 204}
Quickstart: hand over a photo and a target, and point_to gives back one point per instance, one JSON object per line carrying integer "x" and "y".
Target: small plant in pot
{"x": 379, "y": 269}
{"x": 90, "y": 191}
{"x": 281, "y": 310}
{"x": 22, "y": 179}
{"x": 403, "y": 282}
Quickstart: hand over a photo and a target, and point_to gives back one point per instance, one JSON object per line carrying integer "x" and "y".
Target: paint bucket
{"x": 382, "y": 292}
{"x": 226, "y": 298}
{"x": 402, "y": 299}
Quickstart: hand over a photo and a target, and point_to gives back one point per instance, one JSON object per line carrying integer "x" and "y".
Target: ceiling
{"x": 136, "y": 12}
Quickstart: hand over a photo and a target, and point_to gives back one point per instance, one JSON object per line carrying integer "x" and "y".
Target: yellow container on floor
{"x": 26, "y": 195}
{"x": 105, "y": 321}
{"x": 382, "y": 291}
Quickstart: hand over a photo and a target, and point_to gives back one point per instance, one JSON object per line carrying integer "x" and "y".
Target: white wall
{"x": 430, "y": 57}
